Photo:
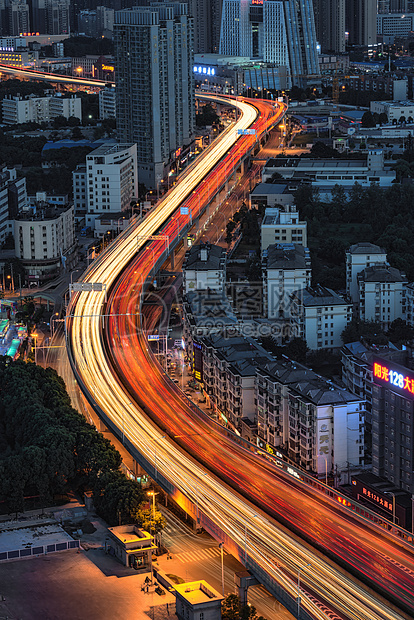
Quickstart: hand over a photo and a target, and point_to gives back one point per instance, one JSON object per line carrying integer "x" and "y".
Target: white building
{"x": 13, "y": 198}
{"x": 358, "y": 257}
{"x": 204, "y": 268}
{"x": 18, "y": 110}
{"x": 409, "y": 301}
{"x": 277, "y": 194}
{"x": 395, "y": 24}
{"x": 107, "y": 103}
{"x": 44, "y": 241}
{"x": 11, "y": 44}
{"x": 325, "y": 173}
{"x": 394, "y": 110}
{"x": 382, "y": 294}
{"x": 197, "y": 600}
{"x": 286, "y": 268}
{"x": 279, "y": 226}
{"x": 321, "y": 316}
{"x": 108, "y": 183}
{"x": 319, "y": 425}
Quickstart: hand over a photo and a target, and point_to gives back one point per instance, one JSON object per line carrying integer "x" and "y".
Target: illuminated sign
{"x": 107, "y": 68}
{"x": 377, "y": 499}
{"x": 198, "y": 361}
{"x": 257, "y": 2}
{"x": 246, "y": 132}
{"x": 204, "y": 70}
{"x": 394, "y": 376}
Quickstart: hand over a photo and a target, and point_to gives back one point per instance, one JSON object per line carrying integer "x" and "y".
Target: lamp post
{"x": 299, "y": 572}
{"x": 393, "y": 504}
{"x": 221, "y": 547}
{"x": 119, "y": 220}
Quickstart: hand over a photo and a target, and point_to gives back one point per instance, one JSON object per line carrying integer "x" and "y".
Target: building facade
{"x": 321, "y": 316}
{"x": 382, "y": 294}
{"x": 13, "y": 198}
{"x": 279, "y": 226}
{"x": 44, "y": 241}
{"x": 204, "y": 268}
{"x": 154, "y": 84}
{"x": 330, "y": 25}
{"x": 286, "y": 269}
{"x": 360, "y": 22}
{"x": 107, "y": 103}
{"x": 18, "y": 110}
{"x": 358, "y": 257}
{"x": 107, "y": 184}
{"x": 282, "y": 33}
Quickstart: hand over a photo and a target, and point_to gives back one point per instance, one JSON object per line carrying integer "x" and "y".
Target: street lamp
{"x": 393, "y": 504}
{"x": 299, "y": 572}
{"x": 221, "y": 547}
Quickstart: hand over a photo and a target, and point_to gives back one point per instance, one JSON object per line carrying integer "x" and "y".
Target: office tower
{"x": 58, "y": 16}
{"x": 277, "y": 31}
{"x": 330, "y": 25}
{"x": 87, "y": 23}
{"x": 19, "y": 20}
{"x": 154, "y": 84}
{"x": 38, "y": 16}
{"x": 361, "y": 22}
{"x": 207, "y": 19}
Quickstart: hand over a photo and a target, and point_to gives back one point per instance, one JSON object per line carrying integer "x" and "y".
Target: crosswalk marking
{"x": 202, "y": 554}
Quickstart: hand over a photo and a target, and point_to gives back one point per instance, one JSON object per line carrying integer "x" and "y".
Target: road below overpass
{"x": 236, "y": 495}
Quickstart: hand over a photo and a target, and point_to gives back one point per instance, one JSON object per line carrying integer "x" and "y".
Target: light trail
{"x": 266, "y": 542}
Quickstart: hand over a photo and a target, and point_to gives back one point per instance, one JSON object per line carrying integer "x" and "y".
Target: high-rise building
{"x": 277, "y": 31}
{"x": 361, "y": 22}
{"x": 154, "y": 84}
{"x": 19, "y": 20}
{"x": 58, "y": 16}
{"x": 330, "y": 24}
{"x": 207, "y": 20}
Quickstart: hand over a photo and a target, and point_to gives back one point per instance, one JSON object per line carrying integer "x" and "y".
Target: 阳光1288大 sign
{"x": 394, "y": 376}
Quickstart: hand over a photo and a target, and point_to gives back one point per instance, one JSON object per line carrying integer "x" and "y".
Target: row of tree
{"x": 47, "y": 448}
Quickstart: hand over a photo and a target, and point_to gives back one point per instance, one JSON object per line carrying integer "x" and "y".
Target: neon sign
{"x": 205, "y": 70}
{"x": 394, "y": 376}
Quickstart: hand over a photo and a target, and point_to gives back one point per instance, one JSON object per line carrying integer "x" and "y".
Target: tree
{"x": 231, "y": 609}
{"x": 73, "y": 121}
{"x": 150, "y": 522}
{"x": 400, "y": 332}
{"x": 77, "y": 134}
{"x": 371, "y": 331}
{"x": 367, "y": 120}
{"x": 383, "y": 118}
{"x": 59, "y": 122}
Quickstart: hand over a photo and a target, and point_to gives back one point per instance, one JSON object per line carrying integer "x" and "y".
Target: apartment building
{"x": 283, "y": 226}
{"x": 319, "y": 425}
{"x": 382, "y": 294}
{"x": 107, "y": 184}
{"x": 44, "y": 241}
{"x": 358, "y": 257}
{"x": 228, "y": 375}
{"x": 13, "y": 198}
{"x": 107, "y": 103}
{"x": 34, "y": 109}
{"x": 204, "y": 267}
{"x": 286, "y": 269}
{"x": 321, "y": 316}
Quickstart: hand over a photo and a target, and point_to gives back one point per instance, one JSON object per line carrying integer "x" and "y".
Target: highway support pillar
{"x": 243, "y": 580}
{"x": 172, "y": 258}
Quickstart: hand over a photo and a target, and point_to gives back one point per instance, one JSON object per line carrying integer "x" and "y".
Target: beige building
{"x": 382, "y": 293}
{"x": 197, "y": 600}
{"x": 132, "y": 546}
{"x": 279, "y": 226}
{"x": 44, "y": 241}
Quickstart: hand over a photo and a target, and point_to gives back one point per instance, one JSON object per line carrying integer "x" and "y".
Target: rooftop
{"x": 210, "y": 305}
{"x": 204, "y": 257}
{"x": 18, "y": 536}
{"x": 365, "y": 248}
{"x": 319, "y": 391}
{"x": 319, "y": 296}
{"x": 128, "y": 534}
{"x": 287, "y": 256}
{"x": 196, "y": 592}
{"x": 381, "y": 273}
{"x": 39, "y": 214}
{"x": 110, "y": 148}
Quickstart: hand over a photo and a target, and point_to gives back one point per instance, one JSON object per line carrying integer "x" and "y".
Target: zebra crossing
{"x": 199, "y": 554}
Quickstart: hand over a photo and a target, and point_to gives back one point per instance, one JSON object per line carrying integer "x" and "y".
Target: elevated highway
{"x": 233, "y": 492}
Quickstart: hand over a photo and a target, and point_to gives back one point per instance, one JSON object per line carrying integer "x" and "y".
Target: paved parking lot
{"x": 75, "y": 586}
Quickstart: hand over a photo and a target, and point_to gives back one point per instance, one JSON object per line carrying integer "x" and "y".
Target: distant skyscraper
{"x": 277, "y": 31}
{"x": 154, "y": 83}
{"x": 330, "y": 24}
{"x": 207, "y": 20}
{"x": 361, "y": 21}
{"x": 58, "y": 16}
{"x": 19, "y": 20}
